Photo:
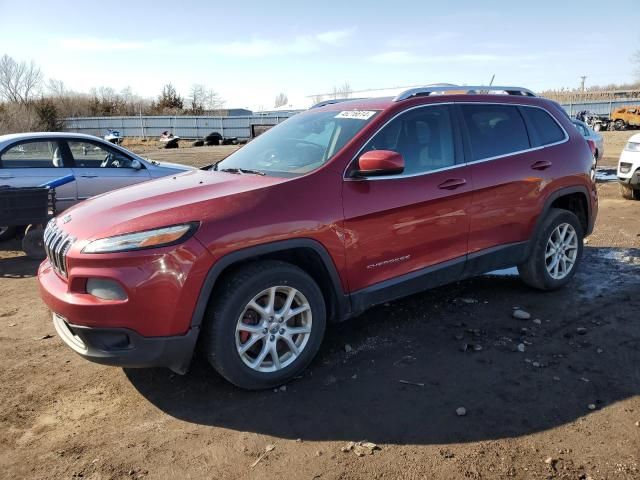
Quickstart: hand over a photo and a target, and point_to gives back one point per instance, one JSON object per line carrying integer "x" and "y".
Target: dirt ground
{"x": 568, "y": 406}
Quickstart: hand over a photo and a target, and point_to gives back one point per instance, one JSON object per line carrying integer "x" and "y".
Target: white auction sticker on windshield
{"x": 356, "y": 114}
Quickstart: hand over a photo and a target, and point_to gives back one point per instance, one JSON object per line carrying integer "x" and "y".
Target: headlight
{"x": 632, "y": 147}
{"x": 159, "y": 237}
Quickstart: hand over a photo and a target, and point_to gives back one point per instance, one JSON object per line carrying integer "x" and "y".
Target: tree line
{"x": 29, "y": 102}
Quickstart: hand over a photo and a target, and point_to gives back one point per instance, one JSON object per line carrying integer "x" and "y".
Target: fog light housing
{"x": 105, "y": 289}
{"x": 625, "y": 167}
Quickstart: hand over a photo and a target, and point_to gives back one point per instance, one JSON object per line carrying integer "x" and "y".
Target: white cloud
{"x": 335, "y": 37}
{"x": 405, "y": 57}
{"x": 100, "y": 44}
{"x": 260, "y": 47}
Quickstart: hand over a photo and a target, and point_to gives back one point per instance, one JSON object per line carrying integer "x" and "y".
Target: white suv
{"x": 629, "y": 169}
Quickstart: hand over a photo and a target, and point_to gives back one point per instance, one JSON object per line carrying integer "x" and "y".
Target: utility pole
{"x": 583, "y": 78}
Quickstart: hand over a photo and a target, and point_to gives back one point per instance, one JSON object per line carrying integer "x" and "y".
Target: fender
{"x": 343, "y": 303}
{"x": 553, "y": 196}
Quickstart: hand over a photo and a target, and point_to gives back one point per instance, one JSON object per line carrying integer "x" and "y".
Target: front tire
{"x": 556, "y": 252}
{"x": 265, "y": 326}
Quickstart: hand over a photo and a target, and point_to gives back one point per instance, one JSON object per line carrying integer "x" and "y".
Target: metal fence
{"x": 183, "y": 126}
{"x": 600, "y": 108}
{"x": 241, "y": 126}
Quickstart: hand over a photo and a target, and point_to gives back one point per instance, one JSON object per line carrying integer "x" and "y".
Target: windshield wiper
{"x": 240, "y": 171}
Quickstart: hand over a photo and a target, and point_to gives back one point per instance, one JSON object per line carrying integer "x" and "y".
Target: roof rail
{"x": 469, "y": 90}
{"x": 332, "y": 101}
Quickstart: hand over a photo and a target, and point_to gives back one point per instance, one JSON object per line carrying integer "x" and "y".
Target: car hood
{"x": 191, "y": 196}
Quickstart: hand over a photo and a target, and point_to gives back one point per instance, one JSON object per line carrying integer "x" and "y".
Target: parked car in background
{"x": 629, "y": 169}
{"x": 342, "y": 207}
{"x": 31, "y": 159}
{"x": 589, "y": 134}
{"x": 626, "y": 117}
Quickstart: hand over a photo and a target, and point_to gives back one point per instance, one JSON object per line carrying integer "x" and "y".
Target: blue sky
{"x": 249, "y": 51}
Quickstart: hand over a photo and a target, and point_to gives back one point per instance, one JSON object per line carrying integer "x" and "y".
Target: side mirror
{"x": 380, "y": 162}
{"x": 136, "y": 165}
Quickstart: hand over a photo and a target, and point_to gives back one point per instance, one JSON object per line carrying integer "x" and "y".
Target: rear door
{"x": 509, "y": 167}
{"x": 32, "y": 162}
{"x": 99, "y": 168}
{"x": 407, "y": 222}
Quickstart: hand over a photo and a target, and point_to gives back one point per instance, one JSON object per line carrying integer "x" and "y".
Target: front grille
{"x": 57, "y": 243}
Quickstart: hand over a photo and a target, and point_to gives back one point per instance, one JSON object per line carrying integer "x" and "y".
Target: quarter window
{"x": 495, "y": 130}
{"x": 38, "y": 154}
{"x": 545, "y": 129}
{"x": 424, "y": 138}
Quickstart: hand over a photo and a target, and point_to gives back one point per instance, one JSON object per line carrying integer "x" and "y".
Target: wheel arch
{"x": 308, "y": 254}
{"x": 574, "y": 199}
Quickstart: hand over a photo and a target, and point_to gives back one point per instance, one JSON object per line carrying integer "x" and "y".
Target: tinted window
{"x": 424, "y": 138}
{"x": 91, "y": 155}
{"x": 495, "y": 130}
{"x": 545, "y": 129}
{"x": 38, "y": 154}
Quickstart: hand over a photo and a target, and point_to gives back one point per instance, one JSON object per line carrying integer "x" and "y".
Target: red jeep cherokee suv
{"x": 347, "y": 205}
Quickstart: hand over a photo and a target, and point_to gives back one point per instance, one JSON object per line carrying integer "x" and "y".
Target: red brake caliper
{"x": 250, "y": 318}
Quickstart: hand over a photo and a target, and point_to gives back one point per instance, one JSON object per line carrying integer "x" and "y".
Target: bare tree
{"x": 19, "y": 81}
{"x": 344, "y": 91}
{"x": 56, "y": 88}
{"x": 202, "y": 99}
{"x": 281, "y": 100}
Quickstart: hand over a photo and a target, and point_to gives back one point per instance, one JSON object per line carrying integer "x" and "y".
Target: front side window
{"x": 300, "y": 144}
{"x": 495, "y": 130}
{"x": 92, "y": 155}
{"x": 35, "y": 154}
{"x": 424, "y": 138}
{"x": 545, "y": 129}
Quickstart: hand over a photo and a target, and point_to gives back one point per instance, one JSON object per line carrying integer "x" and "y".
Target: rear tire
{"x": 250, "y": 316}
{"x": 550, "y": 248}
{"x": 629, "y": 193}
{"x": 619, "y": 124}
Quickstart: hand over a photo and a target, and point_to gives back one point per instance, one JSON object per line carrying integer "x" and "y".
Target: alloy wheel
{"x": 561, "y": 251}
{"x": 273, "y": 329}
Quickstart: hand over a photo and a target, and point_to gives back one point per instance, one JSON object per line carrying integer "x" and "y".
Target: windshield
{"x": 298, "y": 145}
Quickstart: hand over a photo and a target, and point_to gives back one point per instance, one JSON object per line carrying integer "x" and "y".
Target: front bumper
{"x": 123, "y": 347}
{"x": 632, "y": 181}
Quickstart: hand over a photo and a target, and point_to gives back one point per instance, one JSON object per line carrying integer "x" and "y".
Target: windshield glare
{"x": 300, "y": 144}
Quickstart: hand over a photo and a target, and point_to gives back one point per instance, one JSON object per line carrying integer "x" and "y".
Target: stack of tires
{"x": 214, "y": 138}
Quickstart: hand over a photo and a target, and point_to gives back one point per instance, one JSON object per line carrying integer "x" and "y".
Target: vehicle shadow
{"x": 14, "y": 265}
{"x": 411, "y": 363}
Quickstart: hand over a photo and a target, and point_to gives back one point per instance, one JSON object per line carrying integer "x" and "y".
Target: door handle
{"x": 88, "y": 176}
{"x": 6, "y": 176}
{"x": 541, "y": 165}
{"x": 452, "y": 183}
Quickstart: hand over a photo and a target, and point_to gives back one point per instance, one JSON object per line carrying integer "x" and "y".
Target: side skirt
{"x": 477, "y": 263}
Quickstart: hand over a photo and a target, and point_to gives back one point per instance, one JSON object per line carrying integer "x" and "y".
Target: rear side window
{"x": 495, "y": 130}
{"x": 33, "y": 154}
{"x": 545, "y": 130}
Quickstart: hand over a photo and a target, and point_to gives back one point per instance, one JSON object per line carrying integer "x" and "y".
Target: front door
{"x": 404, "y": 223}
{"x": 99, "y": 168}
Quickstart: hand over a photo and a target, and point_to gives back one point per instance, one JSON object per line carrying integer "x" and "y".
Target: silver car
{"x": 588, "y": 133}
{"x": 30, "y": 159}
